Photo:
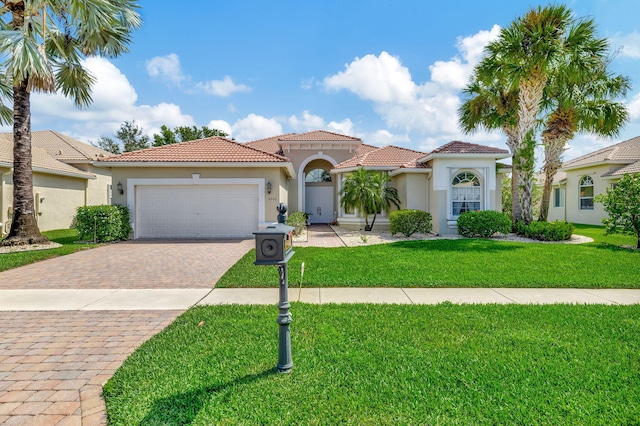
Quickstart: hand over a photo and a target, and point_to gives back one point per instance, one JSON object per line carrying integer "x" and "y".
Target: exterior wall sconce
{"x": 269, "y": 187}
{"x": 120, "y": 189}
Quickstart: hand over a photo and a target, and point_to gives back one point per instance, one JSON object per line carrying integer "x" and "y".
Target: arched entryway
{"x": 319, "y": 191}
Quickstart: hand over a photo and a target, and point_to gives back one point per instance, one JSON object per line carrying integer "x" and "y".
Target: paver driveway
{"x": 52, "y": 364}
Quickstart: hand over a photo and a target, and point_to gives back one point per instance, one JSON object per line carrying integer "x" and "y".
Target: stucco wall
{"x": 275, "y": 175}
{"x": 600, "y": 185}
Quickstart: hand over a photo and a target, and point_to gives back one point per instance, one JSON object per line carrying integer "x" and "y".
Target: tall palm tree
{"x": 585, "y": 106}
{"x": 492, "y": 106}
{"x": 368, "y": 192}
{"x": 42, "y": 44}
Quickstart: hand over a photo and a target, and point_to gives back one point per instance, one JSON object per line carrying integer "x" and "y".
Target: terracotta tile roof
{"x": 269, "y": 144}
{"x": 628, "y": 150}
{"x": 62, "y": 147}
{"x": 364, "y": 148}
{"x": 629, "y": 168}
{"x": 319, "y": 136}
{"x": 209, "y": 150}
{"x": 41, "y": 161}
{"x": 457, "y": 147}
{"x": 388, "y": 156}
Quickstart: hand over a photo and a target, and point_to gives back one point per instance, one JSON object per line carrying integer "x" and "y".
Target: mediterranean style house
{"x": 64, "y": 178}
{"x": 216, "y": 187}
{"x": 583, "y": 178}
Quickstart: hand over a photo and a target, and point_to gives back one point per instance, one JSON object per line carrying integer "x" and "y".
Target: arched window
{"x": 465, "y": 193}
{"x": 586, "y": 193}
{"x": 318, "y": 175}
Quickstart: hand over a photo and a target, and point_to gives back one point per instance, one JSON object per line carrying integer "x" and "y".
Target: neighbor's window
{"x": 465, "y": 193}
{"x": 558, "y": 197}
{"x": 586, "y": 193}
{"x": 318, "y": 175}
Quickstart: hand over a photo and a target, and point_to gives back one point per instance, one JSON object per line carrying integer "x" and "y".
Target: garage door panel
{"x": 199, "y": 211}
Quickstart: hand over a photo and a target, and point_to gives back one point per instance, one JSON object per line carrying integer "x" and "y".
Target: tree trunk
{"x": 24, "y": 227}
{"x": 553, "y": 149}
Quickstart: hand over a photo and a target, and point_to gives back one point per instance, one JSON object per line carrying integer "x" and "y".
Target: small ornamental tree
{"x": 622, "y": 203}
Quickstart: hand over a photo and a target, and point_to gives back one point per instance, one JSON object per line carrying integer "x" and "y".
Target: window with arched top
{"x": 586, "y": 193}
{"x": 466, "y": 193}
{"x": 317, "y": 176}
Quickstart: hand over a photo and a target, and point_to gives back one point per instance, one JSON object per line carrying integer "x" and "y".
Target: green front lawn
{"x": 387, "y": 365}
{"x": 66, "y": 237}
{"x": 455, "y": 263}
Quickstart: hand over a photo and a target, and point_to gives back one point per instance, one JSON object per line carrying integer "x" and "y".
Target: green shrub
{"x": 102, "y": 224}
{"x": 483, "y": 224}
{"x": 299, "y": 222}
{"x": 409, "y": 222}
{"x": 546, "y": 231}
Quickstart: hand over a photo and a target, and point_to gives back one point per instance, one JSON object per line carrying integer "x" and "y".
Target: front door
{"x": 319, "y": 203}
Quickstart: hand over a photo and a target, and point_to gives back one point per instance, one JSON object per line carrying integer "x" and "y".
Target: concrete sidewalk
{"x": 181, "y": 299}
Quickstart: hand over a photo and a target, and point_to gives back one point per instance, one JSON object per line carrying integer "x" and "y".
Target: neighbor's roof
{"x": 62, "y": 147}
{"x": 209, "y": 150}
{"x": 41, "y": 161}
{"x": 389, "y": 156}
{"x": 623, "y": 152}
{"x": 318, "y": 136}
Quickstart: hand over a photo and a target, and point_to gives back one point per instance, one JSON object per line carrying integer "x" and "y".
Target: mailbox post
{"x": 274, "y": 246}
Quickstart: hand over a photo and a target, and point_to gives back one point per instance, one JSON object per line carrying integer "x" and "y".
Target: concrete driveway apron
{"x": 53, "y": 363}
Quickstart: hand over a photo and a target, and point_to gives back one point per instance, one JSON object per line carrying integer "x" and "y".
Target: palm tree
{"x": 42, "y": 44}
{"x": 368, "y": 192}
{"x": 492, "y": 107}
{"x": 580, "y": 98}
{"x": 531, "y": 51}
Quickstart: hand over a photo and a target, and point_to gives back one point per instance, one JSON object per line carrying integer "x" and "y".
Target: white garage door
{"x": 202, "y": 211}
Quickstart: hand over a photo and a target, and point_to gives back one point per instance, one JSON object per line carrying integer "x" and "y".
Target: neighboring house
{"x": 216, "y": 187}
{"x": 64, "y": 178}
{"x": 583, "y": 178}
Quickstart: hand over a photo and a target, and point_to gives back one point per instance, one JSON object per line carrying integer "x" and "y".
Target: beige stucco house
{"x": 64, "y": 178}
{"x": 583, "y": 178}
{"x": 216, "y": 187}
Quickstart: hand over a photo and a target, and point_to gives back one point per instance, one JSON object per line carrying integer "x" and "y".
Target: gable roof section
{"x": 388, "y": 157}
{"x": 269, "y": 144}
{"x": 630, "y": 168}
{"x": 318, "y": 136}
{"x": 621, "y": 153}
{"x": 208, "y": 151}
{"x": 62, "y": 147}
{"x": 41, "y": 162}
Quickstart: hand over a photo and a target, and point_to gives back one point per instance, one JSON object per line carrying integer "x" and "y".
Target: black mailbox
{"x": 274, "y": 244}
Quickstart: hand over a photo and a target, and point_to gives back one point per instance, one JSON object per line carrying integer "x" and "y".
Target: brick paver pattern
{"x": 53, "y": 364}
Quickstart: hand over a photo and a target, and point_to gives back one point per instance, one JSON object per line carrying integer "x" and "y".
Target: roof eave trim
{"x": 495, "y": 156}
{"x": 64, "y": 173}
{"x": 353, "y": 169}
{"x": 598, "y": 163}
{"x": 412, "y": 170}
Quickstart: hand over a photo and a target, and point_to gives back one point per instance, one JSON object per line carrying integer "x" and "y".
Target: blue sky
{"x": 389, "y": 72}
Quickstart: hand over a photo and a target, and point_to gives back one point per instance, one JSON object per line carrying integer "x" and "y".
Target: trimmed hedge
{"x": 408, "y": 222}
{"x": 299, "y": 222}
{"x": 546, "y": 231}
{"x": 483, "y": 224}
{"x": 102, "y": 224}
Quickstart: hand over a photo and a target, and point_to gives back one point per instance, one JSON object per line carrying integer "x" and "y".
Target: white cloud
{"x": 224, "y": 87}
{"x": 429, "y": 108}
{"x": 114, "y": 101}
{"x": 385, "y": 137}
{"x": 254, "y": 127}
{"x": 634, "y": 107}
{"x": 167, "y": 68}
{"x": 628, "y": 43}
{"x": 220, "y": 125}
{"x": 375, "y": 78}
{"x": 306, "y": 123}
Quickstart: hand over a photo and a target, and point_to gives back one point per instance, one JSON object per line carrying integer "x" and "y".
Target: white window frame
{"x": 479, "y": 188}
{"x": 581, "y": 197}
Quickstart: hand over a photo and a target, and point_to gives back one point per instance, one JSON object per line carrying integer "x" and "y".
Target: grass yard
{"x": 387, "y": 365}
{"x": 456, "y": 263}
{"x": 66, "y": 237}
